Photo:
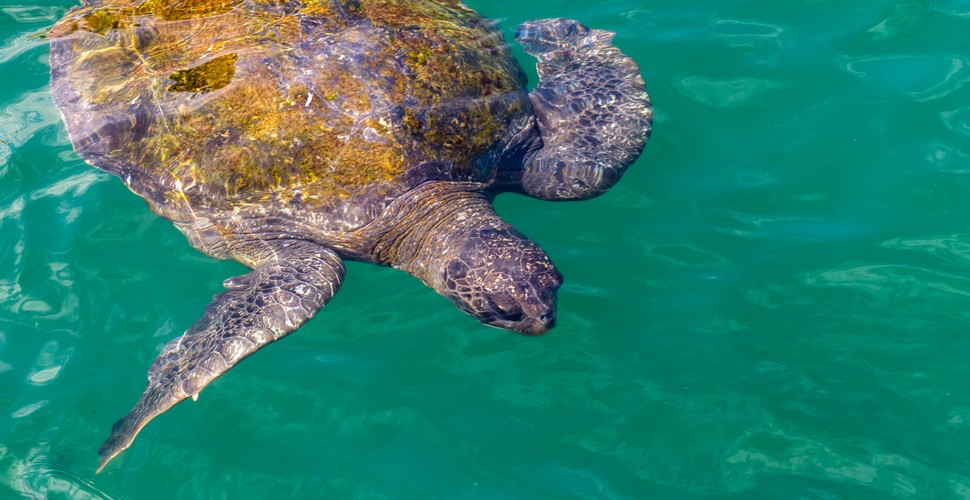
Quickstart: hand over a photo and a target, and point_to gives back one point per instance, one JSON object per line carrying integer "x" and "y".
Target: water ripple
{"x": 28, "y": 410}
{"x": 26, "y": 13}
{"x": 907, "y": 19}
{"x": 893, "y": 282}
{"x": 950, "y": 249}
{"x": 763, "y": 41}
{"x": 627, "y": 198}
{"x": 75, "y": 185}
{"x": 947, "y": 158}
{"x": 924, "y": 77}
{"x": 957, "y": 120}
{"x": 768, "y": 449}
{"x": 49, "y": 362}
{"x": 957, "y": 8}
{"x": 842, "y": 342}
{"x": 12, "y": 239}
{"x": 36, "y": 476}
{"x": 676, "y": 441}
{"x": 729, "y": 92}
{"x": 21, "y": 120}
{"x": 683, "y": 255}
{"x": 17, "y": 46}
{"x": 799, "y": 228}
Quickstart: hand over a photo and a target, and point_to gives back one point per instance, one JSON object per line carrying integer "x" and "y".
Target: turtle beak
{"x": 530, "y": 310}
{"x": 534, "y": 327}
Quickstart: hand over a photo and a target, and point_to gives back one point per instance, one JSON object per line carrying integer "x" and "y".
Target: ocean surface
{"x": 773, "y": 303}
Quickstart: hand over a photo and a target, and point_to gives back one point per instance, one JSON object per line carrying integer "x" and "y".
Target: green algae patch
{"x": 101, "y": 21}
{"x": 119, "y": 14}
{"x": 420, "y": 56}
{"x": 175, "y": 10}
{"x": 211, "y": 75}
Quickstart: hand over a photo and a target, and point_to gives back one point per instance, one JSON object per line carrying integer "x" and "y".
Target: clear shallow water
{"x": 774, "y": 303}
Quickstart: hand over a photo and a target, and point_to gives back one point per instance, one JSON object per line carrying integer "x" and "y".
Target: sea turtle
{"x": 291, "y": 135}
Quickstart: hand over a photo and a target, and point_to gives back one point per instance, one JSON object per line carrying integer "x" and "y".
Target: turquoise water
{"x": 773, "y": 303}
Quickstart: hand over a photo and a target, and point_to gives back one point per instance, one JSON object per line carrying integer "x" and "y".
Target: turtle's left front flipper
{"x": 592, "y": 110}
{"x": 290, "y": 282}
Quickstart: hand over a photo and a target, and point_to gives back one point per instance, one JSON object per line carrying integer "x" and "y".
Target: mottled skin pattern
{"x": 291, "y": 135}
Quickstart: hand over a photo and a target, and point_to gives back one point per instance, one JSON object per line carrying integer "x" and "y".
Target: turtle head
{"x": 503, "y": 279}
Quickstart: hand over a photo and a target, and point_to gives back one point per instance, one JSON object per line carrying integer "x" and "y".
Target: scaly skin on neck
{"x": 432, "y": 213}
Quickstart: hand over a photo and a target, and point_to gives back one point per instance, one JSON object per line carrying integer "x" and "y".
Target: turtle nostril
{"x": 549, "y": 320}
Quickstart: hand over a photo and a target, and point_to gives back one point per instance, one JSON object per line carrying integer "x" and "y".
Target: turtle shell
{"x": 222, "y": 103}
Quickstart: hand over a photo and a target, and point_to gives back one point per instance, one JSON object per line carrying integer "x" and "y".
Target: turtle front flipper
{"x": 290, "y": 282}
{"x": 592, "y": 109}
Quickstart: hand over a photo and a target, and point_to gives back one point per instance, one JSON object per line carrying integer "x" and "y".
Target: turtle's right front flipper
{"x": 290, "y": 282}
{"x": 592, "y": 111}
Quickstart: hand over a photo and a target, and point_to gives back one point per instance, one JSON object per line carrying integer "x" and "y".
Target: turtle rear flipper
{"x": 593, "y": 112}
{"x": 287, "y": 287}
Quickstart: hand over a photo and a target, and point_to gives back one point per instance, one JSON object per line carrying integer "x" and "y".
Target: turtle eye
{"x": 512, "y": 315}
{"x": 508, "y": 308}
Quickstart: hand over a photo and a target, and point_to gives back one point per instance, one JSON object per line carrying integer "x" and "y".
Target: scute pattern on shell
{"x": 320, "y": 103}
